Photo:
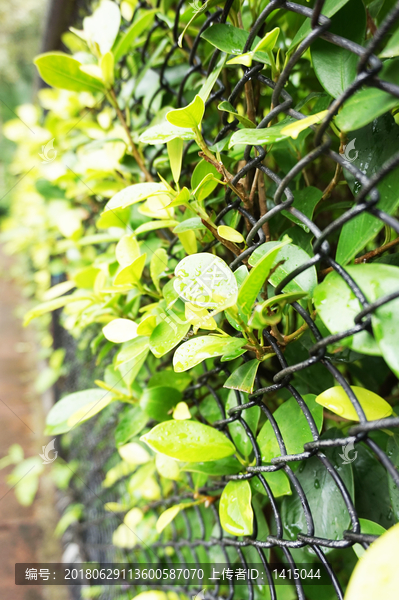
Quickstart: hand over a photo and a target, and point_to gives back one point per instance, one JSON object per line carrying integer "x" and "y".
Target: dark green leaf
{"x": 243, "y": 378}
{"x": 157, "y": 402}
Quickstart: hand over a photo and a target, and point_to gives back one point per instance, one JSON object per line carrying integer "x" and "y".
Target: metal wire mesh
{"x": 93, "y": 445}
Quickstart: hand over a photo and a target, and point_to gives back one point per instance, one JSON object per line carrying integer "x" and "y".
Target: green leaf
{"x": 165, "y": 132}
{"x": 205, "y": 280}
{"x": 127, "y": 250}
{"x": 135, "y": 193}
{"x": 323, "y": 495}
{"x": 189, "y": 116}
{"x": 228, "y": 233}
{"x": 237, "y": 431}
{"x": 153, "y": 225}
{"x": 306, "y": 201}
{"x": 226, "y": 37}
{"x": 337, "y": 400}
{"x": 134, "y": 453}
{"x": 189, "y": 241}
{"x": 45, "y": 307}
{"x": 235, "y": 510}
{"x": 376, "y": 280}
{"x": 393, "y": 455}
{"x": 277, "y": 481}
{"x": 227, "y": 107}
{"x": 168, "y": 333}
{"x": 370, "y": 528}
{"x": 376, "y": 574}
{"x": 201, "y": 183}
{"x": 158, "y": 402}
{"x": 258, "y": 137}
{"x": 293, "y": 426}
{"x": 175, "y": 153}
{"x": 335, "y": 67}
{"x": 257, "y": 277}
{"x": 169, "y": 378}
{"x": 131, "y": 422}
{"x": 192, "y": 224}
{"x": 392, "y": 47}
{"x": 132, "y": 351}
{"x": 158, "y": 264}
{"x": 330, "y": 7}
{"x": 215, "y": 468}
{"x": 107, "y": 68}
{"x": 167, "y": 517}
{"x": 140, "y": 25}
{"x": 243, "y": 378}
{"x": 292, "y": 257}
{"x": 268, "y": 42}
{"x": 120, "y": 330}
{"x": 375, "y": 144}
{"x": 294, "y": 129}
{"x": 196, "y": 350}
{"x": 132, "y": 273}
{"x": 188, "y": 440}
{"x": 64, "y": 409}
{"x": 62, "y": 71}
{"x": 370, "y": 103}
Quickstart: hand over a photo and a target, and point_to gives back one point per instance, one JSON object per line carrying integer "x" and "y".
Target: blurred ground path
{"x": 26, "y": 533}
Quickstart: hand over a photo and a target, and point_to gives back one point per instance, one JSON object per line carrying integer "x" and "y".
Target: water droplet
{"x": 317, "y": 483}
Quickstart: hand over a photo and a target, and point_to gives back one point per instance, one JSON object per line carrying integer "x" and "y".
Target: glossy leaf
{"x": 134, "y": 193}
{"x": 202, "y": 185}
{"x": 376, "y": 574}
{"x": 257, "y": 277}
{"x": 235, "y": 510}
{"x": 165, "y": 132}
{"x": 237, "y": 431}
{"x": 258, "y": 137}
{"x": 367, "y": 527}
{"x": 227, "y": 107}
{"x": 190, "y": 116}
{"x": 228, "y": 233}
{"x": 153, "y": 225}
{"x": 374, "y": 145}
{"x": 370, "y": 103}
{"x": 294, "y": 428}
{"x": 61, "y": 411}
{"x": 337, "y": 400}
{"x": 158, "y": 402}
{"x": 188, "y": 440}
{"x": 63, "y": 71}
{"x": 127, "y": 250}
{"x": 243, "y": 378}
{"x": 196, "y": 350}
{"x": 323, "y": 495}
{"x": 120, "y": 330}
{"x": 167, "y": 517}
{"x": 375, "y": 280}
{"x": 291, "y": 257}
{"x": 168, "y": 333}
{"x": 294, "y": 129}
{"x": 306, "y": 201}
{"x": 132, "y": 273}
{"x": 175, "y": 153}
{"x": 335, "y": 67}
{"x": 276, "y": 480}
{"x": 158, "y": 264}
{"x": 132, "y": 421}
{"x": 141, "y": 24}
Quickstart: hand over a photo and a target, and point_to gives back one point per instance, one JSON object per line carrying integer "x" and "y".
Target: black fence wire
{"x": 93, "y": 443}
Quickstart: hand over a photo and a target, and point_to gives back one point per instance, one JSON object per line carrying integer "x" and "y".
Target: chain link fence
{"x": 196, "y": 534}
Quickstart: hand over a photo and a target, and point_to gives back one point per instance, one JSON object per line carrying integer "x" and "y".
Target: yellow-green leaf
{"x": 131, "y": 273}
{"x": 127, "y": 250}
{"x": 294, "y": 129}
{"x": 376, "y": 575}
{"x": 189, "y": 116}
{"x": 167, "y": 517}
{"x": 63, "y": 71}
{"x": 235, "y": 510}
{"x": 134, "y": 453}
{"x": 336, "y": 400}
{"x": 120, "y": 330}
{"x": 181, "y": 412}
{"x": 228, "y": 233}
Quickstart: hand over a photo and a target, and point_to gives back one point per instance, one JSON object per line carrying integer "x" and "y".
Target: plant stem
{"x": 135, "y": 153}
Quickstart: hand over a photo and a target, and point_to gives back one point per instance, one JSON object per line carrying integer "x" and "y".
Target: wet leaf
{"x": 243, "y": 378}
